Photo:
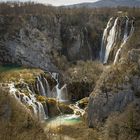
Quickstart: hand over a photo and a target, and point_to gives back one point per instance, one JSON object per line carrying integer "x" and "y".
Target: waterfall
{"x": 42, "y": 115}
{"x": 110, "y": 41}
{"x": 60, "y": 93}
{"x": 125, "y": 38}
{"x": 29, "y": 101}
{"x": 55, "y": 76}
{"x": 77, "y": 110}
{"x": 43, "y": 86}
{"x": 114, "y": 36}
{"x": 40, "y": 86}
{"x": 104, "y": 39}
{"x": 44, "y": 89}
{"x": 47, "y": 87}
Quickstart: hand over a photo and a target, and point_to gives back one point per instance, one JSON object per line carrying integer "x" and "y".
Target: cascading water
{"x": 104, "y": 40}
{"x": 110, "y": 41}
{"x": 40, "y": 86}
{"x": 125, "y": 38}
{"x": 29, "y": 101}
{"x": 41, "y": 111}
{"x": 60, "y": 93}
{"x": 47, "y": 87}
{"x": 43, "y": 87}
{"x": 112, "y": 38}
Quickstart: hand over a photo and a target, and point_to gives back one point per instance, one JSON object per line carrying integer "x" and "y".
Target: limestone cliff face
{"x": 34, "y": 40}
{"x": 26, "y": 42}
{"x": 77, "y": 44}
{"x": 116, "y": 88}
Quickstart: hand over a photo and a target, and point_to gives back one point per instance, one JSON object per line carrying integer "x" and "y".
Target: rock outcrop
{"x": 28, "y": 42}
{"x": 116, "y": 88}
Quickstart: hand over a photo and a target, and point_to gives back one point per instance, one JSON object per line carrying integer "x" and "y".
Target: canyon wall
{"x": 39, "y": 40}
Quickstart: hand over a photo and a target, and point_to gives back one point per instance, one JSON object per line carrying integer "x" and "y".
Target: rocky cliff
{"x": 118, "y": 86}
{"x": 39, "y": 40}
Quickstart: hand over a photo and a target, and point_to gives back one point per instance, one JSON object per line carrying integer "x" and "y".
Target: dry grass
{"x": 78, "y": 132}
{"x": 124, "y": 126}
{"x": 84, "y": 71}
{"x": 16, "y": 123}
{"x": 14, "y": 74}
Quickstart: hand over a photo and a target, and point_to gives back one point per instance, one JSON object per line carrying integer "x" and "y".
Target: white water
{"x": 29, "y": 100}
{"x": 60, "y": 94}
{"x": 41, "y": 111}
{"x": 77, "y": 110}
{"x": 110, "y": 38}
{"x": 125, "y": 38}
{"x": 104, "y": 39}
{"x": 48, "y": 87}
{"x": 110, "y": 41}
{"x": 40, "y": 86}
{"x": 43, "y": 86}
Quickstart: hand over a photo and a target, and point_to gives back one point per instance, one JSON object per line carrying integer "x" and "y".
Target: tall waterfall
{"x": 104, "y": 40}
{"x": 112, "y": 38}
{"x": 110, "y": 41}
{"x": 125, "y": 38}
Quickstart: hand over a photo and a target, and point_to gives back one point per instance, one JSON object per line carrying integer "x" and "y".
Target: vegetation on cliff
{"x": 16, "y": 74}
{"x": 81, "y": 78}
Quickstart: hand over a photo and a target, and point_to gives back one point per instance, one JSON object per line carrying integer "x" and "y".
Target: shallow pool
{"x": 63, "y": 120}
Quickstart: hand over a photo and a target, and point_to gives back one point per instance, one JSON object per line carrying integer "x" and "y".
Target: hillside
{"x": 109, "y": 3}
{"x": 14, "y": 126}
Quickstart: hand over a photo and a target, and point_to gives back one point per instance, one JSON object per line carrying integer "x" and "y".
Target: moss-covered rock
{"x": 56, "y": 108}
{"x": 41, "y": 99}
{"x": 83, "y": 102}
{"x": 65, "y": 109}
